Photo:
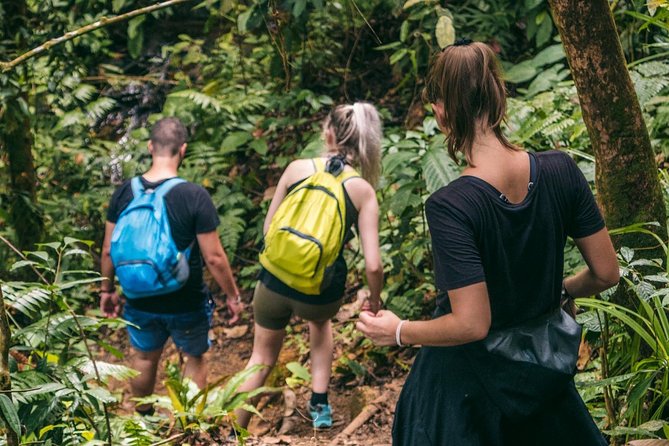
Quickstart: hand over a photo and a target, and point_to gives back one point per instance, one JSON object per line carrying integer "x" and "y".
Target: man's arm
{"x": 219, "y": 267}
{"x": 110, "y": 304}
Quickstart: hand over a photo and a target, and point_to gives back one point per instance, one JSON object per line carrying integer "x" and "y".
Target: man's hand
{"x": 380, "y": 328}
{"x": 235, "y": 307}
{"x": 110, "y": 303}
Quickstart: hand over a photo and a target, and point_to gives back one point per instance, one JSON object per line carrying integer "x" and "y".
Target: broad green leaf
{"x": 299, "y": 371}
{"x": 438, "y": 169}
{"x": 234, "y": 140}
{"x": 444, "y": 31}
{"x": 40, "y": 254}
{"x": 521, "y": 72}
{"x": 298, "y": 7}
{"x": 259, "y": 145}
{"x": 21, "y": 264}
{"x": 549, "y": 55}
{"x": 404, "y": 31}
{"x": 9, "y": 413}
{"x": 117, "y": 5}
{"x": 136, "y": 36}
{"x": 411, "y": 3}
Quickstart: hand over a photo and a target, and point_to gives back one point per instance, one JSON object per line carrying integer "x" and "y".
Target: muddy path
{"x": 370, "y": 398}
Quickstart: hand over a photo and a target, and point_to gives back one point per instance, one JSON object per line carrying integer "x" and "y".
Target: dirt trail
{"x": 229, "y": 353}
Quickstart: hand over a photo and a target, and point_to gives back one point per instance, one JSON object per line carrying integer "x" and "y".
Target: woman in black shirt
{"x": 498, "y": 235}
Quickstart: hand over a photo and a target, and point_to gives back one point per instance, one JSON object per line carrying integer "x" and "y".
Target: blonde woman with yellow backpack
{"x": 316, "y": 205}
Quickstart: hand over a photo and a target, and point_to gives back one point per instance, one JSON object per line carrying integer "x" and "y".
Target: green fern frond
{"x": 200, "y": 99}
{"x": 536, "y": 125}
{"x": 29, "y": 301}
{"x": 554, "y": 130}
{"x": 107, "y": 370}
{"x": 97, "y": 110}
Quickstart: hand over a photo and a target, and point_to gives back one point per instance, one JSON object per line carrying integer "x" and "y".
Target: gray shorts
{"x": 273, "y": 310}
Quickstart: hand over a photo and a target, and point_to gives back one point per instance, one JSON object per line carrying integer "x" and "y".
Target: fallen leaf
{"x": 271, "y": 440}
{"x": 584, "y": 354}
{"x": 236, "y": 332}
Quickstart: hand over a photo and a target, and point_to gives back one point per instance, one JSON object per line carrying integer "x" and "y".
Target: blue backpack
{"x": 146, "y": 259}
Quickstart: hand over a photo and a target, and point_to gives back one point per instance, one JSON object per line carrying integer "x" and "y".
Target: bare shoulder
{"x": 298, "y": 170}
{"x": 360, "y": 191}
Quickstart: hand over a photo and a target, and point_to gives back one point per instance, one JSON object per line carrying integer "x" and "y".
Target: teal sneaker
{"x": 321, "y": 414}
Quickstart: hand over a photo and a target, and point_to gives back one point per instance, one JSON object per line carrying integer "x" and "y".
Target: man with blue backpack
{"x": 159, "y": 227}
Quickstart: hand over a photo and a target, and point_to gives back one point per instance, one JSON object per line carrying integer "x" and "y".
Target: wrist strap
{"x": 398, "y": 333}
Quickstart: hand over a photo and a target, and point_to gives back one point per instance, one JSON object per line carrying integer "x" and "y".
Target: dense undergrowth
{"x": 252, "y": 81}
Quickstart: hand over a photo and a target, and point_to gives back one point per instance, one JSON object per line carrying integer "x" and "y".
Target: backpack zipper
{"x": 309, "y": 238}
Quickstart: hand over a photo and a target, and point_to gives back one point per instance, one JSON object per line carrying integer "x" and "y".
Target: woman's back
{"x": 517, "y": 249}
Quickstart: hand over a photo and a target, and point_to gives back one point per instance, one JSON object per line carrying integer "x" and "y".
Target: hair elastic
{"x": 462, "y": 41}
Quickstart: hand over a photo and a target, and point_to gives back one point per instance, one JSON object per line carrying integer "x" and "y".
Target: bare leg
{"x": 320, "y": 339}
{"x": 266, "y": 347}
{"x": 146, "y": 363}
{"x": 196, "y": 369}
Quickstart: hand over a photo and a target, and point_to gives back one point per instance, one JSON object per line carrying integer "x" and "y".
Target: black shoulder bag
{"x": 549, "y": 341}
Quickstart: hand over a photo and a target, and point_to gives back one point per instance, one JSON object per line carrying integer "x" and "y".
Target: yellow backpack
{"x": 307, "y": 231}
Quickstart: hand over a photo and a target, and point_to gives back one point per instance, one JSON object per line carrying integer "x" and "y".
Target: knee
{"x": 152, "y": 356}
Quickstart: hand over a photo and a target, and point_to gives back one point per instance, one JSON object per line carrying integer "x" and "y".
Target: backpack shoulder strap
{"x": 319, "y": 164}
{"x": 137, "y": 187}
{"x": 167, "y": 186}
{"x": 348, "y": 175}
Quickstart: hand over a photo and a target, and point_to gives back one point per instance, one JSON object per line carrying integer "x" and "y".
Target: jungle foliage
{"x": 252, "y": 80}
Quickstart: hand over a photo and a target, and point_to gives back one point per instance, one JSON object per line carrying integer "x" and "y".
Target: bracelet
{"x": 398, "y": 333}
{"x": 565, "y": 294}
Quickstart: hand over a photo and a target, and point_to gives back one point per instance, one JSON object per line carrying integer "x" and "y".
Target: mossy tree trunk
{"x": 626, "y": 175}
{"x": 16, "y": 138}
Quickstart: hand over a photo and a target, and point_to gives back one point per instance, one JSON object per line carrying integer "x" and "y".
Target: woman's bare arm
{"x": 602, "y": 271}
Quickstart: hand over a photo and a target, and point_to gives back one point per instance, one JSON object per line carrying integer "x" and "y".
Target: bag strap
{"x": 167, "y": 186}
{"x": 319, "y": 164}
{"x": 137, "y": 187}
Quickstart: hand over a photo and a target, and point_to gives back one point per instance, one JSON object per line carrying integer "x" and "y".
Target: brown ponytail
{"x": 467, "y": 80}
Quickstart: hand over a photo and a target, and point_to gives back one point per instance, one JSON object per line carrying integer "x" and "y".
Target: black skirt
{"x": 464, "y": 396}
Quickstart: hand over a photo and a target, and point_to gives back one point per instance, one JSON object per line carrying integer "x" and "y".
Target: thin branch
{"x": 366, "y": 22}
{"x": 115, "y": 78}
{"x": 104, "y": 21}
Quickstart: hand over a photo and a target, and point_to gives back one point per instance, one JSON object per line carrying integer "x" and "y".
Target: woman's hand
{"x": 379, "y": 327}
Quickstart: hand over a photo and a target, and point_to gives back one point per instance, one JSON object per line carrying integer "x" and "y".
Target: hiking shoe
{"x": 321, "y": 415}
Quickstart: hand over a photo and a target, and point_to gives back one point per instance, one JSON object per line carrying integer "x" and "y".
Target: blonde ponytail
{"x": 357, "y": 133}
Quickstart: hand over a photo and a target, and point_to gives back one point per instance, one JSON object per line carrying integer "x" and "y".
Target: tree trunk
{"x": 626, "y": 175}
{"x": 16, "y": 140}
{"x": 25, "y": 216}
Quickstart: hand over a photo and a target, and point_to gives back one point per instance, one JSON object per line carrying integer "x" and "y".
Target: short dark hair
{"x": 167, "y": 136}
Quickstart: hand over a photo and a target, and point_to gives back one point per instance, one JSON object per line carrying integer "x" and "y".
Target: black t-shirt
{"x": 517, "y": 249}
{"x": 190, "y": 211}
